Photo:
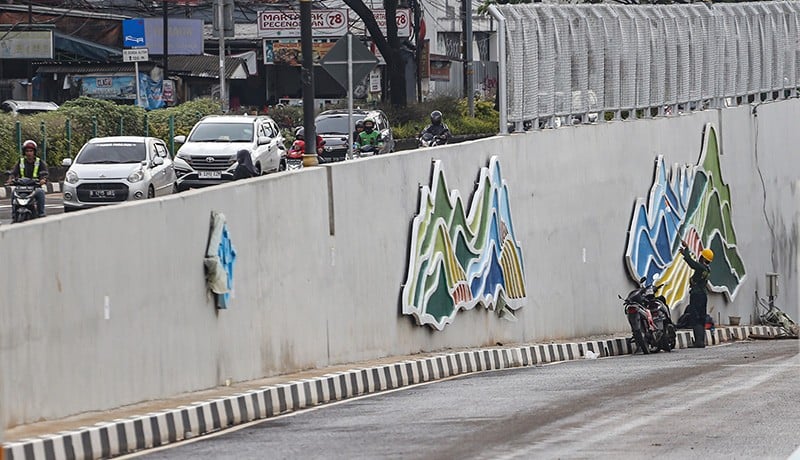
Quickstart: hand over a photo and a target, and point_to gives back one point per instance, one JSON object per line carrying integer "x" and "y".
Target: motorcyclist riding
{"x": 359, "y": 129}
{"x": 437, "y": 128}
{"x": 299, "y": 144}
{"x": 32, "y": 167}
{"x": 370, "y": 137}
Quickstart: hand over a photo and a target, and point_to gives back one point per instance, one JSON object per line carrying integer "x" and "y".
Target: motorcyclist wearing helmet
{"x": 32, "y": 167}
{"x": 359, "y": 129}
{"x": 437, "y": 128}
{"x": 299, "y": 144}
{"x": 370, "y": 137}
{"x": 698, "y": 298}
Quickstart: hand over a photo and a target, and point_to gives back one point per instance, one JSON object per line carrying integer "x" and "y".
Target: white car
{"x": 208, "y": 154}
{"x": 110, "y": 170}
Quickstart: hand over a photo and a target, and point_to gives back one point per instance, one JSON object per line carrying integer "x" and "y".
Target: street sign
{"x": 335, "y": 62}
{"x": 135, "y": 55}
{"x": 286, "y": 24}
{"x": 133, "y": 33}
{"x": 402, "y": 19}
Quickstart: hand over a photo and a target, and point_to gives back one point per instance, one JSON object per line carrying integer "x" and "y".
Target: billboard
{"x": 291, "y": 54}
{"x": 122, "y": 87}
{"x": 286, "y": 24}
{"x": 34, "y": 44}
{"x": 185, "y": 36}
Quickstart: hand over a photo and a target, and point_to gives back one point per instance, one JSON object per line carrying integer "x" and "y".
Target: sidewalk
{"x": 155, "y": 423}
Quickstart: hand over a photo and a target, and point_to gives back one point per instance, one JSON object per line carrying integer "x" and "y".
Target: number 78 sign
{"x": 403, "y": 20}
{"x": 286, "y": 24}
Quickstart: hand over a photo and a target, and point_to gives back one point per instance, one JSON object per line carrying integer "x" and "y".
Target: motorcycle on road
{"x": 649, "y": 318}
{"x": 23, "y": 200}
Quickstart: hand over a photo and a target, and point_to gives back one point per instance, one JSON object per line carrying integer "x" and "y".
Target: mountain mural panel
{"x": 691, "y": 203}
{"x": 458, "y": 260}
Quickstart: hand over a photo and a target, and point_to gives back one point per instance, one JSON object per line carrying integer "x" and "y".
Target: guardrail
{"x": 575, "y": 63}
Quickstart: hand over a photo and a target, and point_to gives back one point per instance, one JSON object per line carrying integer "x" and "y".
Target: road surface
{"x": 731, "y": 401}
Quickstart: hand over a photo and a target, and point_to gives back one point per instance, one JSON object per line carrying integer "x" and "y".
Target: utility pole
{"x": 469, "y": 91}
{"x": 223, "y": 97}
{"x": 418, "y": 54}
{"x": 166, "y": 42}
{"x": 307, "y": 76}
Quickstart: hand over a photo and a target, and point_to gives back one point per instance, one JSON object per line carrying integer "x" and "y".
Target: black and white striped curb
{"x": 123, "y": 436}
{"x": 56, "y": 187}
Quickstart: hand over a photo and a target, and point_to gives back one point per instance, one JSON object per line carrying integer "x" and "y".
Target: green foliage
{"x": 414, "y": 118}
{"x": 287, "y": 116}
{"x": 87, "y": 115}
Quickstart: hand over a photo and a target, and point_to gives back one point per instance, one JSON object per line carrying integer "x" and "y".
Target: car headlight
{"x": 136, "y": 176}
{"x": 72, "y": 177}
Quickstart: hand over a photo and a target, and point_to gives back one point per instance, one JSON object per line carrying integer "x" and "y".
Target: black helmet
{"x": 436, "y": 117}
{"x": 299, "y": 133}
{"x": 360, "y": 124}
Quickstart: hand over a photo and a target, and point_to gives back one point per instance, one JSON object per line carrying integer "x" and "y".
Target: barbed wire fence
{"x": 579, "y": 63}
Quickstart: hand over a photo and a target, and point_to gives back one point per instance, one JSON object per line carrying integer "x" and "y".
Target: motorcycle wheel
{"x": 640, "y": 343}
{"x": 670, "y": 338}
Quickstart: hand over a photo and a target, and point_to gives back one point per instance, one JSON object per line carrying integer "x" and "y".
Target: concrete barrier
{"x": 322, "y": 255}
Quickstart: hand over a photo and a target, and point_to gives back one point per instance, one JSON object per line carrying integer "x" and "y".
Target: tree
{"x": 389, "y": 45}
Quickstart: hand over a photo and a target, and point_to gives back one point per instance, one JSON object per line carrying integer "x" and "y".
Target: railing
{"x": 595, "y": 62}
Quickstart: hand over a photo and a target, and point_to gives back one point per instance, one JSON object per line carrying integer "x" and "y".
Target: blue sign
{"x": 133, "y": 33}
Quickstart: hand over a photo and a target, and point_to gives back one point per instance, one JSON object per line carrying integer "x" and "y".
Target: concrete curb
{"x": 5, "y": 191}
{"x": 124, "y": 436}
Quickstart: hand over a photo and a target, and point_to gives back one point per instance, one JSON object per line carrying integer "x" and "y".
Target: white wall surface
{"x": 307, "y": 298}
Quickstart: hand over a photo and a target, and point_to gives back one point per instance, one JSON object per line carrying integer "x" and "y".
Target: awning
{"x": 126, "y": 67}
{"x": 207, "y": 66}
{"x": 85, "y": 48}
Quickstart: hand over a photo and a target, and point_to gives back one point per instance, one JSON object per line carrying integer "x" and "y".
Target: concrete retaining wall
{"x": 322, "y": 255}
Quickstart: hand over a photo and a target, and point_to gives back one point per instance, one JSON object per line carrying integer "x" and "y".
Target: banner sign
{"x": 286, "y": 24}
{"x": 291, "y": 53}
{"x": 122, "y": 87}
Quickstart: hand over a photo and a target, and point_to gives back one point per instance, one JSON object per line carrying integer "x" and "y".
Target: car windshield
{"x": 112, "y": 153}
{"x": 336, "y": 124}
{"x": 222, "y": 132}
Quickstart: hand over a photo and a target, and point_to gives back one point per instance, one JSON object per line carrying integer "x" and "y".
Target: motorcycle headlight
{"x": 72, "y": 177}
{"x": 136, "y": 176}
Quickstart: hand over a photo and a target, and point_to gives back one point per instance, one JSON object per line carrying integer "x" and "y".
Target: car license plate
{"x": 209, "y": 174}
{"x": 102, "y": 193}
{"x": 294, "y": 163}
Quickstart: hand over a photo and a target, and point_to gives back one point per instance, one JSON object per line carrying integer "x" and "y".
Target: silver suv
{"x": 208, "y": 154}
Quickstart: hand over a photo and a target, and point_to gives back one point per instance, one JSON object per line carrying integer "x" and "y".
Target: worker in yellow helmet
{"x": 698, "y": 298}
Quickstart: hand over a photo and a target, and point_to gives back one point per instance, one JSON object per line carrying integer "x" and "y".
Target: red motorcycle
{"x": 650, "y": 320}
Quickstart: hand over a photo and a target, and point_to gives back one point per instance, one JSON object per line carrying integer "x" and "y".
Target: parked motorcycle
{"x": 429, "y": 140}
{"x": 650, "y": 319}
{"x": 23, "y": 200}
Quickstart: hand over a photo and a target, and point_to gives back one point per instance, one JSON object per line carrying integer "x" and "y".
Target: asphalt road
{"x": 53, "y": 205}
{"x": 731, "y": 401}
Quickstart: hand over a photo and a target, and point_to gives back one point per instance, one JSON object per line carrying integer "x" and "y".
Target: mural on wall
{"x": 458, "y": 260}
{"x": 691, "y": 203}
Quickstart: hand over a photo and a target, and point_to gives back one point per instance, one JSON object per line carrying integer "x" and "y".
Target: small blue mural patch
{"x": 219, "y": 261}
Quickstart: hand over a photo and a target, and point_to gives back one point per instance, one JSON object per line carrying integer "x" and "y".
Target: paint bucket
{"x": 734, "y": 320}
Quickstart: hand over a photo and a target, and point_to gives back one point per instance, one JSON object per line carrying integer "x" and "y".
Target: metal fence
{"x": 572, "y": 61}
